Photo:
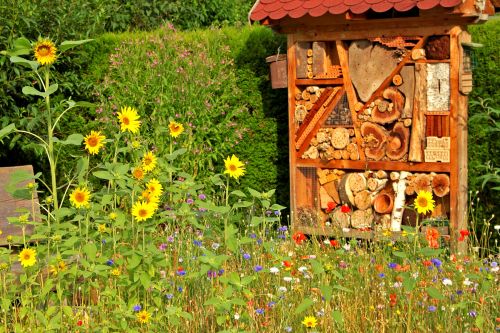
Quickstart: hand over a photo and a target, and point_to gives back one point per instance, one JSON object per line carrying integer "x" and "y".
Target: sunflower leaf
{"x": 69, "y": 44}
{"x": 74, "y": 139}
{"x": 304, "y": 305}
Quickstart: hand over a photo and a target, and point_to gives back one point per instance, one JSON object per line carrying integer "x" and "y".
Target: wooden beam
{"x": 351, "y": 96}
{"x": 376, "y": 165}
{"x": 291, "y": 63}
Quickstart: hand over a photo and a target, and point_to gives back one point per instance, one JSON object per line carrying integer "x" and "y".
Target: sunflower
{"x": 129, "y": 119}
{"x": 175, "y": 128}
{"x": 138, "y": 173}
{"x": 80, "y": 197}
{"x": 154, "y": 187}
{"x": 234, "y": 167}
{"x": 142, "y": 210}
{"x": 45, "y": 52}
{"x": 102, "y": 228}
{"x": 424, "y": 202}
{"x": 56, "y": 269}
{"x": 27, "y": 257}
{"x": 94, "y": 142}
{"x": 309, "y": 321}
{"x": 148, "y": 161}
{"x": 150, "y": 199}
{"x": 143, "y": 316}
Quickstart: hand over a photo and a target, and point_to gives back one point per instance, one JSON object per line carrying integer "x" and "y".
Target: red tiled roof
{"x": 278, "y": 9}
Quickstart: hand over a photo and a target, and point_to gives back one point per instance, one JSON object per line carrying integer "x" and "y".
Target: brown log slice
{"x": 340, "y": 138}
{"x": 397, "y": 80}
{"x": 357, "y": 182}
{"x": 375, "y": 140}
{"x": 422, "y": 182}
{"x": 398, "y": 142}
{"x": 363, "y": 200}
{"x": 362, "y": 219}
{"x": 441, "y": 185}
{"x": 345, "y": 192}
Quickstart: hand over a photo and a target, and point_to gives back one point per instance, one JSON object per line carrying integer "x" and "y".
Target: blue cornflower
{"x": 110, "y": 262}
{"x": 432, "y": 308}
{"x": 169, "y": 296}
{"x": 436, "y": 262}
{"x": 246, "y": 256}
{"x": 221, "y": 271}
{"x": 137, "y": 308}
{"x": 277, "y": 213}
{"x": 197, "y": 242}
{"x": 259, "y": 311}
{"x": 283, "y": 228}
{"x": 271, "y": 304}
{"x": 392, "y": 265}
{"x": 257, "y": 268}
{"x": 181, "y": 272}
{"x": 473, "y": 314}
{"x": 259, "y": 241}
{"x": 180, "y": 289}
{"x": 381, "y": 275}
{"x": 252, "y": 235}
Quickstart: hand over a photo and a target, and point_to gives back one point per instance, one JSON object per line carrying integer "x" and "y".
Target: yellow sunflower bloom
{"x": 143, "y": 317}
{"x": 138, "y": 173}
{"x": 94, "y": 142}
{"x": 234, "y": 167}
{"x": 424, "y": 202}
{"x": 129, "y": 120}
{"x": 309, "y": 321}
{"x": 80, "y": 197}
{"x": 142, "y": 211}
{"x": 102, "y": 228}
{"x": 154, "y": 187}
{"x": 45, "y": 52}
{"x": 148, "y": 161}
{"x": 27, "y": 257}
{"x": 175, "y": 128}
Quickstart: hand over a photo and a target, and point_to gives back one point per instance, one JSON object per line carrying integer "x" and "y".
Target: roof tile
{"x": 292, "y": 5}
{"x": 277, "y": 9}
{"x": 318, "y": 11}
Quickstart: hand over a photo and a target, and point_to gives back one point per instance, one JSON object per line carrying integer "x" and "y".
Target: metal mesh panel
{"x": 341, "y": 114}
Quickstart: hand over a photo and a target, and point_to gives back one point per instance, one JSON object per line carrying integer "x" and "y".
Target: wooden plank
{"x": 318, "y": 82}
{"x": 351, "y": 96}
{"x": 301, "y": 58}
{"x": 461, "y": 142}
{"x": 319, "y": 58}
{"x": 408, "y": 89}
{"x": 417, "y": 138}
{"x": 376, "y": 165}
{"x": 352, "y": 233}
{"x": 14, "y": 207}
{"x": 291, "y": 63}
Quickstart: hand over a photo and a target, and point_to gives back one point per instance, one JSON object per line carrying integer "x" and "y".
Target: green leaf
{"x": 256, "y": 220}
{"x": 428, "y": 252}
{"x": 27, "y": 90}
{"x": 277, "y": 207}
{"x": 242, "y": 204}
{"x": 337, "y": 316}
{"x": 145, "y": 280}
{"x": 25, "y": 62}
{"x": 326, "y": 291}
{"x": 304, "y": 305}
{"x": 409, "y": 283}
{"x": 434, "y": 293}
{"x": 339, "y": 287}
{"x": 317, "y": 267}
{"x": 479, "y": 321}
{"x": 69, "y": 44}
{"x": 7, "y": 130}
{"x": 255, "y": 193}
{"x": 103, "y": 175}
{"x": 90, "y": 249}
{"x": 74, "y": 139}
{"x": 239, "y": 194}
{"x": 400, "y": 254}
{"x": 133, "y": 262}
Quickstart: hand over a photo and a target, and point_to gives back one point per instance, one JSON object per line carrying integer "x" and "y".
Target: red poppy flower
{"x": 287, "y": 263}
{"x": 432, "y": 235}
{"x": 330, "y": 206}
{"x": 392, "y": 299}
{"x": 345, "y": 209}
{"x": 334, "y": 243}
{"x": 463, "y": 234}
{"x": 427, "y": 263}
{"x": 79, "y": 323}
{"x": 298, "y": 237}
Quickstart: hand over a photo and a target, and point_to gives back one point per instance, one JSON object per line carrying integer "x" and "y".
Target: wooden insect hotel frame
{"x": 377, "y": 96}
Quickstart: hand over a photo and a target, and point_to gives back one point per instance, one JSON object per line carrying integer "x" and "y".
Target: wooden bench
{"x": 17, "y": 203}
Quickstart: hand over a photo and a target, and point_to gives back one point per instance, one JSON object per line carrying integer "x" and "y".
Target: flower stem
{"x": 50, "y": 148}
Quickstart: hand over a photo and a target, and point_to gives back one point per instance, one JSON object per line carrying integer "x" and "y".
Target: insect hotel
{"x": 377, "y": 96}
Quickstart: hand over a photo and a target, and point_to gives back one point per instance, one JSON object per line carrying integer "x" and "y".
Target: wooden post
{"x": 291, "y": 63}
{"x": 458, "y": 149}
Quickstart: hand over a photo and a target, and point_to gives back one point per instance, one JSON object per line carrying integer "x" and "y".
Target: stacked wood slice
{"x": 333, "y": 144}
{"x": 304, "y": 101}
{"x": 437, "y": 184}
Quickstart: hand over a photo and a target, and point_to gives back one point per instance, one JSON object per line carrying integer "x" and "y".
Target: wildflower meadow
{"x": 128, "y": 241}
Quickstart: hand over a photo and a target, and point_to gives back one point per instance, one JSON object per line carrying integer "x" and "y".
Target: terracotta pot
{"x": 383, "y": 203}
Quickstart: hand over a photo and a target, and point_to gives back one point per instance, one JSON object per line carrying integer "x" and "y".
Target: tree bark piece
{"x": 375, "y": 140}
{"x": 369, "y": 65}
{"x": 398, "y": 141}
{"x": 438, "y": 87}
{"x": 331, "y": 189}
{"x": 422, "y": 182}
{"x": 324, "y": 198}
{"x": 408, "y": 90}
{"x": 340, "y": 219}
{"x": 319, "y": 58}
{"x": 346, "y": 195}
{"x": 419, "y": 108}
{"x": 301, "y": 50}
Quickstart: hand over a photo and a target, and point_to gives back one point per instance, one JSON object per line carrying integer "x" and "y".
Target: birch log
{"x": 399, "y": 201}
{"x": 419, "y": 108}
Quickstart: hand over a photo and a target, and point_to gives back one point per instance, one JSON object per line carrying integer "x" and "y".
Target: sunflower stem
{"x": 50, "y": 148}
